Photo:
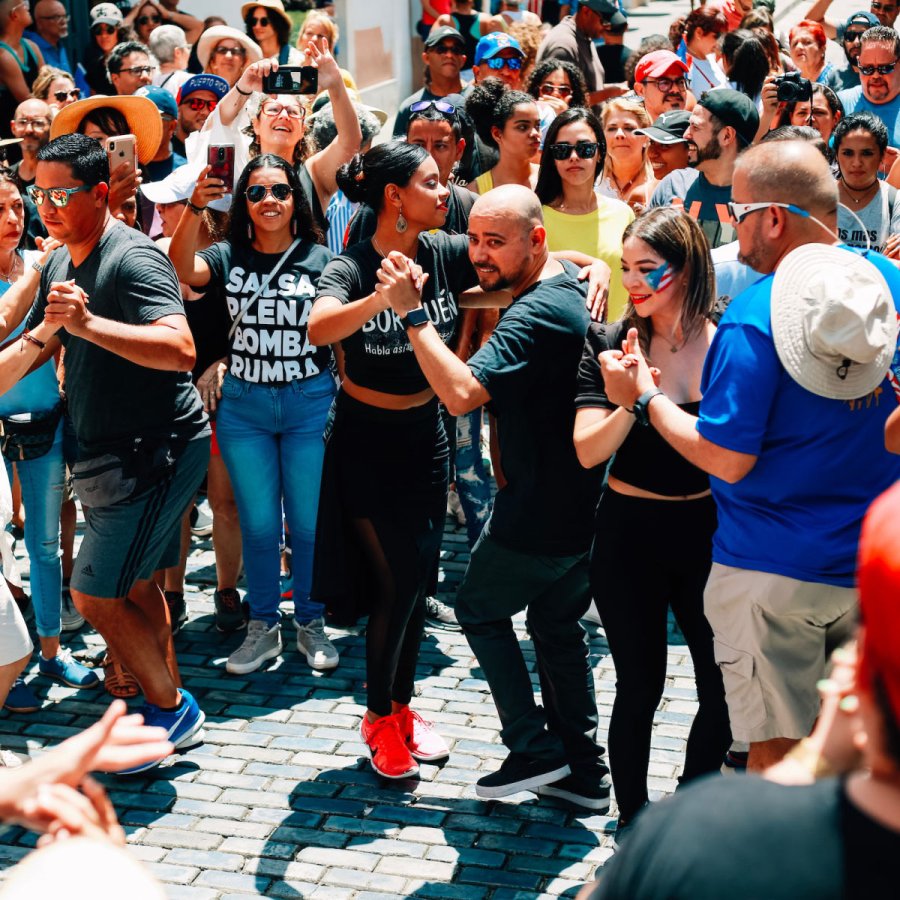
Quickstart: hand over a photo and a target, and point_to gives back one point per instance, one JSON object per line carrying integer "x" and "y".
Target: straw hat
{"x": 273, "y": 6}
{"x": 143, "y": 119}
{"x": 834, "y": 322}
{"x": 212, "y": 36}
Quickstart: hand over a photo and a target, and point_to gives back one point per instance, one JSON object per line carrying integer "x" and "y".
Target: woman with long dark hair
{"x": 745, "y": 62}
{"x": 653, "y": 494}
{"x": 273, "y": 403}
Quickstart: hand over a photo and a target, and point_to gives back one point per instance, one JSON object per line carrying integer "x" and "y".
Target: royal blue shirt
{"x": 820, "y": 462}
{"x": 854, "y": 101}
{"x": 53, "y": 56}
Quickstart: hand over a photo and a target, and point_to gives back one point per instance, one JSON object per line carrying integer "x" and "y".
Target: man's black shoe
{"x": 520, "y": 773}
{"x": 581, "y": 791}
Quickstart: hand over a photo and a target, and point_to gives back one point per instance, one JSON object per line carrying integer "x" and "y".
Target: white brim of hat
{"x": 801, "y": 277}
{"x": 178, "y": 185}
{"x": 217, "y": 33}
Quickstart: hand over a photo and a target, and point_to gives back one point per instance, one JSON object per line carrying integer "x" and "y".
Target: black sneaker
{"x": 623, "y": 829}
{"x": 439, "y": 615}
{"x": 230, "y": 613}
{"x": 581, "y": 791}
{"x": 177, "y": 610}
{"x": 520, "y": 773}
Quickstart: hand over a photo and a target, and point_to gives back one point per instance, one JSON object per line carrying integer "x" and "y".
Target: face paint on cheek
{"x": 660, "y": 278}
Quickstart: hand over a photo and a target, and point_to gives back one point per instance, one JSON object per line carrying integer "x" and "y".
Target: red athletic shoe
{"x": 422, "y": 741}
{"x": 387, "y": 749}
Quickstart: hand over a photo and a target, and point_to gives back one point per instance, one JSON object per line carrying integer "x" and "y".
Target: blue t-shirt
{"x": 854, "y": 101}
{"x": 820, "y": 462}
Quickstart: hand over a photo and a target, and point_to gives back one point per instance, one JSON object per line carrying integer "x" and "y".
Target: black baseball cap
{"x": 669, "y": 128}
{"x": 609, "y": 10}
{"x": 735, "y": 109}
{"x": 442, "y": 34}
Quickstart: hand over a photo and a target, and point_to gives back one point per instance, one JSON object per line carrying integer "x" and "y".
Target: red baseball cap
{"x": 657, "y": 63}
{"x": 878, "y": 576}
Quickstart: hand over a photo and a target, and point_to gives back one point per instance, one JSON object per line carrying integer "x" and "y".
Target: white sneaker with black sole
{"x": 520, "y": 773}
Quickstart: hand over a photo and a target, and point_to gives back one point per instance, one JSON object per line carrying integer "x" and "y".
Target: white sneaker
{"x": 9, "y": 759}
{"x": 260, "y": 644}
{"x": 312, "y": 641}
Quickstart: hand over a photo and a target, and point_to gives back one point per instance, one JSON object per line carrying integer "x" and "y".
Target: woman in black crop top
{"x": 656, "y": 519}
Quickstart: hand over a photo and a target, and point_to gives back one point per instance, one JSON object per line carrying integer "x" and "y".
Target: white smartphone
{"x": 121, "y": 148}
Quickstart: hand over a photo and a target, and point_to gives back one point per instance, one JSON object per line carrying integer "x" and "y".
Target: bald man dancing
{"x": 533, "y": 553}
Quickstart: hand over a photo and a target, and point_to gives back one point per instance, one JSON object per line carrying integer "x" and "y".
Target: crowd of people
{"x": 650, "y": 293}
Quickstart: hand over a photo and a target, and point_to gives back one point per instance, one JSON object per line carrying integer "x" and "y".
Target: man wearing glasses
{"x": 20, "y": 59}
{"x": 498, "y": 55}
{"x": 130, "y": 67}
{"x": 851, "y": 40}
{"x": 32, "y": 125}
{"x": 51, "y": 27}
{"x": 879, "y": 89}
{"x": 882, "y": 12}
{"x": 197, "y": 99}
{"x": 661, "y": 80}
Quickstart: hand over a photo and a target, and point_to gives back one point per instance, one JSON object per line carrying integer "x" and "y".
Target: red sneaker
{"x": 387, "y": 750}
{"x": 422, "y": 741}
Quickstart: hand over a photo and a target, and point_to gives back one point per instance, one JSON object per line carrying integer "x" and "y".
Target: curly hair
{"x": 547, "y": 67}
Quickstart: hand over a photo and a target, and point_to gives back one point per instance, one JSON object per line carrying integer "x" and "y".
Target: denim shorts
{"x": 129, "y": 540}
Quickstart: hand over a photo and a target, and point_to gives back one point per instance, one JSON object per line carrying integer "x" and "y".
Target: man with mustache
{"x": 660, "y": 79}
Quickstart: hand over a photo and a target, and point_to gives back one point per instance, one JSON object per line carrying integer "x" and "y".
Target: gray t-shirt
{"x": 702, "y": 201}
{"x": 566, "y": 42}
{"x": 880, "y": 217}
{"x": 127, "y": 278}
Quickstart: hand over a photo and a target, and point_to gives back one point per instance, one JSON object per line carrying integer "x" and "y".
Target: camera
{"x": 292, "y": 80}
{"x": 793, "y": 87}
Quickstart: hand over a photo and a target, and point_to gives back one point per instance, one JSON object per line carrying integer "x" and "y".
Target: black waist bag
{"x": 29, "y": 435}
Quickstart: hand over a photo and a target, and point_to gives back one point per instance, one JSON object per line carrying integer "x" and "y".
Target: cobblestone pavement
{"x": 280, "y": 801}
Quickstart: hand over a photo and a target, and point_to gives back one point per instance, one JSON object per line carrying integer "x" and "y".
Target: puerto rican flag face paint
{"x": 660, "y": 278}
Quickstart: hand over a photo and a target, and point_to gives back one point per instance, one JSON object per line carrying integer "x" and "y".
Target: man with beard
{"x": 722, "y": 124}
{"x": 533, "y": 552}
{"x": 881, "y": 12}
{"x": 660, "y": 80}
{"x": 850, "y": 33}
{"x": 879, "y": 89}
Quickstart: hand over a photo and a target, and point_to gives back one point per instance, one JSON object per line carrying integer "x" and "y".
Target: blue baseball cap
{"x": 868, "y": 19}
{"x": 491, "y": 44}
{"x": 161, "y": 98}
{"x": 213, "y": 83}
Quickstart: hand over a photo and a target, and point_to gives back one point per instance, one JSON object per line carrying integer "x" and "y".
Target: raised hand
{"x": 252, "y": 77}
{"x": 208, "y": 189}
{"x": 318, "y": 55}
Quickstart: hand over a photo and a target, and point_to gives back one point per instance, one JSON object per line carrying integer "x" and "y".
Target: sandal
{"x": 119, "y": 682}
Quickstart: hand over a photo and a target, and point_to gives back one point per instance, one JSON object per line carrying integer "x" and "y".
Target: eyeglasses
{"x": 561, "y": 89}
{"x": 442, "y": 49}
{"x": 37, "y": 123}
{"x": 585, "y": 149}
{"x": 230, "y": 51}
{"x": 139, "y": 71}
{"x": 276, "y": 109}
{"x": 59, "y": 197}
{"x": 262, "y": 21}
{"x": 886, "y": 69}
{"x": 62, "y": 96}
{"x": 59, "y": 17}
{"x": 887, "y": 7}
{"x": 198, "y": 103}
{"x": 102, "y": 28}
{"x": 256, "y": 193}
{"x": 851, "y": 37}
{"x": 147, "y": 20}
{"x": 500, "y": 62}
{"x": 442, "y": 106}
{"x": 739, "y": 211}
{"x": 666, "y": 84}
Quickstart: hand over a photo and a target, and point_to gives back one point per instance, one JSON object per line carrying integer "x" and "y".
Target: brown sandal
{"x": 119, "y": 682}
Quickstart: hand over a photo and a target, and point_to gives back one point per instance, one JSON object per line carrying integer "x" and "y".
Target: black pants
{"x": 649, "y": 555}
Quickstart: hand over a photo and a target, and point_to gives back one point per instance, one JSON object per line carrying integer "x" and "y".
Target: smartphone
{"x": 121, "y": 148}
{"x": 292, "y": 80}
{"x": 221, "y": 158}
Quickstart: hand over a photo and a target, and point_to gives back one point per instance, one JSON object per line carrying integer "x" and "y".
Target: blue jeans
{"x": 472, "y": 482}
{"x": 271, "y": 441}
{"x": 42, "y": 487}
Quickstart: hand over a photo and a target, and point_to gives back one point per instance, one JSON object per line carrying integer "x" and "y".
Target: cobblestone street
{"x": 280, "y": 801}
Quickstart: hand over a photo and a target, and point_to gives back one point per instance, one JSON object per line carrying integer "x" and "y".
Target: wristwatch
{"x": 415, "y": 318}
{"x": 641, "y": 406}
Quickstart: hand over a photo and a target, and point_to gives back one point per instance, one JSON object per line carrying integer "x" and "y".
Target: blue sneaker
{"x": 65, "y": 669}
{"x": 21, "y": 699}
{"x": 183, "y": 726}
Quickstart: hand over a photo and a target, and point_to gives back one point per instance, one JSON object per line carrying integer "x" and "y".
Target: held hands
{"x": 626, "y": 374}
{"x": 400, "y": 283}
{"x": 598, "y": 275}
{"x": 67, "y": 307}
{"x": 252, "y": 77}
{"x": 208, "y": 189}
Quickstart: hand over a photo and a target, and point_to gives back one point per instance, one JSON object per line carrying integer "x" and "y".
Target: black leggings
{"x": 649, "y": 555}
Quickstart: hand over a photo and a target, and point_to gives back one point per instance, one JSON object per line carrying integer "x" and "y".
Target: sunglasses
{"x": 147, "y": 20}
{"x": 739, "y": 211}
{"x": 198, "y": 103}
{"x": 262, "y": 21}
{"x": 499, "y": 62}
{"x": 61, "y": 96}
{"x": 442, "y": 106}
{"x": 851, "y": 37}
{"x": 256, "y": 193}
{"x": 230, "y": 51}
{"x": 561, "y": 89}
{"x": 666, "y": 84}
{"x": 886, "y": 69}
{"x": 584, "y": 149}
{"x": 103, "y": 29}
{"x": 59, "y": 197}
{"x": 443, "y": 49}
{"x": 888, "y": 7}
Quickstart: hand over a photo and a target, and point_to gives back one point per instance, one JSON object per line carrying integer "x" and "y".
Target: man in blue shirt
{"x": 51, "y": 27}
{"x": 879, "y": 76}
{"x": 793, "y": 469}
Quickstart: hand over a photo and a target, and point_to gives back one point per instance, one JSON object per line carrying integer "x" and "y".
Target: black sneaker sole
{"x": 532, "y": 783}
{"x": 229, "y": 628}
{"x": 598, "y": 804}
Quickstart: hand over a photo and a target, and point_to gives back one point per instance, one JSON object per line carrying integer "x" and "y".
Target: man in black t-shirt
{"x": 111, "y": 298}
{"x": 533, "y": 552}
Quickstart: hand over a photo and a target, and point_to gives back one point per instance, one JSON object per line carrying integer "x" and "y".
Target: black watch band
{"x": 641, "y": 406}
{"x": 415, "y": 318}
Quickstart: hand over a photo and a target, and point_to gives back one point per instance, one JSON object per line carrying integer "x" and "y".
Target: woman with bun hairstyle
{"x": 508, "y": 121}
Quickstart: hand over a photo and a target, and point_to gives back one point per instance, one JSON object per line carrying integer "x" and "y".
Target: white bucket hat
{"x": 834, "y": 321}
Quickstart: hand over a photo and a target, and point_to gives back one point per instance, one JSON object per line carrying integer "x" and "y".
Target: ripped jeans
{"x": 472, "y": 481}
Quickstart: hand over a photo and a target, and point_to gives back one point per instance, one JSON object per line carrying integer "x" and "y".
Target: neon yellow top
{"x": 484, "y": 182}
{"x": 598, "y": 233}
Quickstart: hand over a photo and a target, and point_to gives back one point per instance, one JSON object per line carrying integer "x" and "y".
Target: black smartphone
{"x": 292, "y": 80}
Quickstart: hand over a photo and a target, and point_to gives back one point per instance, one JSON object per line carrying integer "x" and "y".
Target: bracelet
{"x": 32, "y": 339}
{"x": 237, "y": 87}
{"x": 196, "y": 210}
{"x": 37, "y": 266}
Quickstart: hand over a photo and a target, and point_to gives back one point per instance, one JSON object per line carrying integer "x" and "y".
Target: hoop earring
{"x": 402, "y": 224}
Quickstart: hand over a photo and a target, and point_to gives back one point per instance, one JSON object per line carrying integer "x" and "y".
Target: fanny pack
{"x": 29, "y": 435}
{"x": 115, "y": 476}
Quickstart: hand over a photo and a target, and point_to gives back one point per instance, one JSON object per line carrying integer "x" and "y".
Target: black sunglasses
{"x": 881, "y": 70}
{"x": 256, "y": 193}
{"x": 262, "y": 21}
{"x": 61, "y": 96}
{"x": 147, "y": 20}
{"x": 585, "y": 149}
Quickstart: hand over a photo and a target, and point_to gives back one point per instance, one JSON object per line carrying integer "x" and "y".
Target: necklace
{"x": 378, "y": 249}
{"x": 673, "y": 348}
{"x": 623, "y": 191}
{"x": 8, "y": 274}
{"x": 862, "y": 193}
